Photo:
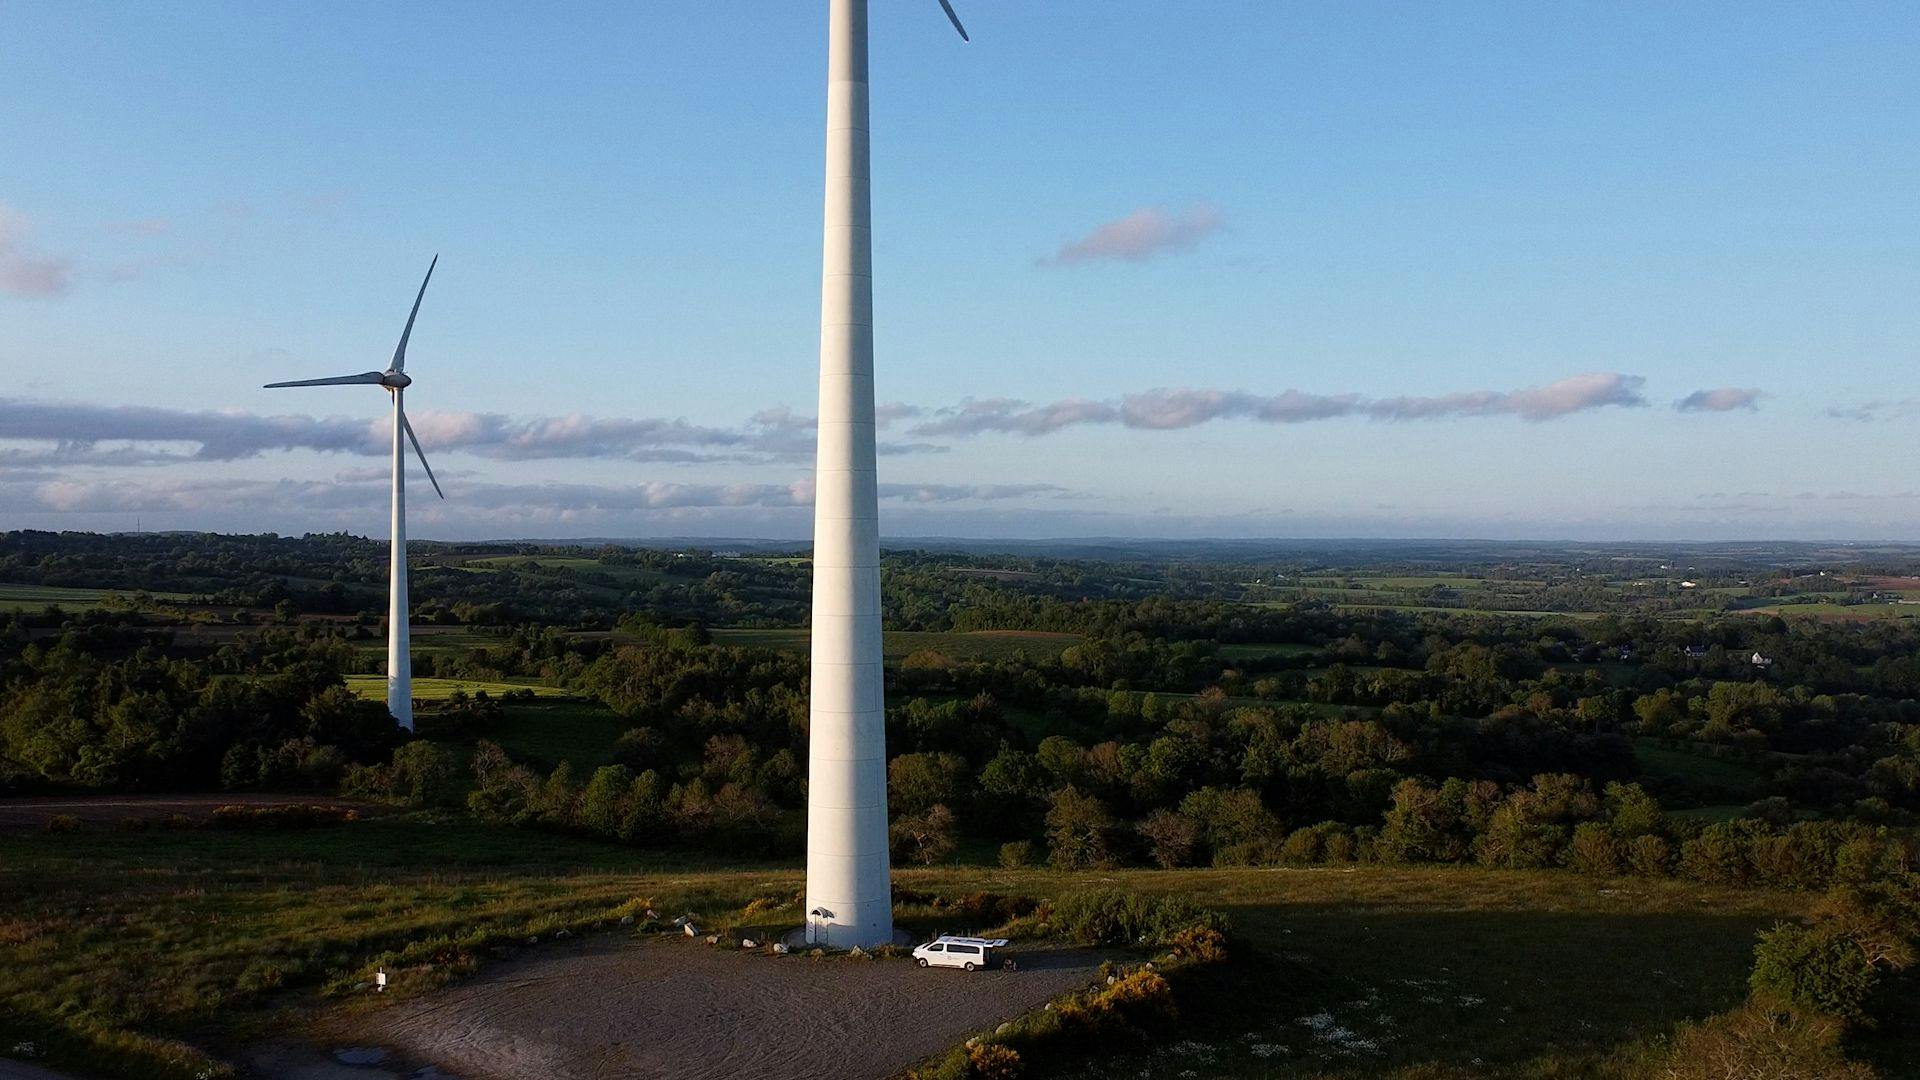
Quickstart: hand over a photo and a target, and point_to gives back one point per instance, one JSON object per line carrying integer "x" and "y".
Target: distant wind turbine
{"x": 396, "y": 381}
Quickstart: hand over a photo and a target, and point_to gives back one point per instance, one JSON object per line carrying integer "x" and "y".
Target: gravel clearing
{"x": 673, "y": 1010}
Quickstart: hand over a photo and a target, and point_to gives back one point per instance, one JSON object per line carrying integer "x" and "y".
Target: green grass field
{"x": 114, "y": 945}
{"x": 546, "y": 732}
{"x": 1664, "y": 762}
{"x": 35, "y": 597}
{"x": 374, "y": 688}
{"x": 899, "y": 644}
{"x": 1839, "y": 612}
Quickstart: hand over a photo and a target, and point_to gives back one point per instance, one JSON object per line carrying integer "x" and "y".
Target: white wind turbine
{"x": 849, "y": 893}
{"x": 396, "y": 381}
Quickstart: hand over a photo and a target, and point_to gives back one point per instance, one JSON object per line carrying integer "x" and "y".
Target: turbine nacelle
{"x": 394, "y": 379}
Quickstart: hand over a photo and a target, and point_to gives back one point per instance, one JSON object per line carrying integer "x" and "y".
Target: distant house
{"x": 1689, "y": 584}
{"x": 1695, "y": 652}
{"x": 1762, "y": 661}
{"x": 1626, "y": 652}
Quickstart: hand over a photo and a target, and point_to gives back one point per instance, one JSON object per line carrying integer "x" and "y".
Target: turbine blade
{"x": 421, "y": 454}
{"x": 373, "y": 377}
{"x": 400, "y": 351}
{"x": 954, "y": 19}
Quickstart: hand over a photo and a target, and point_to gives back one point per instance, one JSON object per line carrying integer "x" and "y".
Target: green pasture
{"x": 35, "y": 597}
{"x": 374, "y": 688}
{"x": 1663, "y": 761}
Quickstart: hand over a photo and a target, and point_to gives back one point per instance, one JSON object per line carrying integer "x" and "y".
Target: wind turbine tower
{"x": 396, "y": 381}
{"x": 849, "y": 887}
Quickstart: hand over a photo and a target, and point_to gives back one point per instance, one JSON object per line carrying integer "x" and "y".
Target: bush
{"x": 1142, "y": 999}
{"x": 1650, "y": 856}
{"x": 1017, "y": 854}
{"x": 991, "y": 1061}
{"x": 1717, "y": 856}
{"x": 1762, "y": 1043}
{"x": 281, "y": 817}
{"x": 1302, "y": 847}
{"x": 1817, "y": 968}
{"x": 63, "y": 823}
{"x": 1595, "y": 850}
{"x": 1115, "y": 917}
{"x": 1200, "y": 944}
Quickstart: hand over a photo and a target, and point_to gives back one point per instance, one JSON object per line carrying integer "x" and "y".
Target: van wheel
{"x": 968, "y": 965}
{"x": 923, "y": 961}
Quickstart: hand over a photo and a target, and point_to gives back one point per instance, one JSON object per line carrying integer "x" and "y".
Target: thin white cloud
{"x": 81, "y": 434}
{"x": 43, "y": 434}
{"x": 1142, "y": 235}
{"x": 364, "y": 492}
{"x": 1721, "y": 399}
{"x": 1176, "y": 408}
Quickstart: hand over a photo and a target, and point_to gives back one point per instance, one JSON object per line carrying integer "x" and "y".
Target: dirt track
{"x": 33, "y": 813}
{"x": 677, "y": 1010}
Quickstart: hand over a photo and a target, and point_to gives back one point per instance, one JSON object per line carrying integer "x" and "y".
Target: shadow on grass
{"x": 1504, "y": 991}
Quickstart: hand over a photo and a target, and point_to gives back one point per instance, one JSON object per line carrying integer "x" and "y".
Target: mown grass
{"x": 374, "y": 688}
{"x": 110, "y": 938}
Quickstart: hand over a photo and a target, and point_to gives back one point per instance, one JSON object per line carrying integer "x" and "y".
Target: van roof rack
{"x": 990, "y": 943}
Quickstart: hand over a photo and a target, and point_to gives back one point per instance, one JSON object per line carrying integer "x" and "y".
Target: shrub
{"x": 1115, "y": 917}
{"x": 1142, "y": 998}
{"x": 281, "y": 817}
{"x": 1595, "y": 850}
{"x": 1302, "y": 846}
{"x": 1717, "y": 856}
{"x": 1763, "y": 1043}
{"x": 1818, "y": 968}
{"x": 1016, "y": 854}
{"x": 1801, "y": 858}
{"x": 1861, "y": 859}
{"x": 1650, "y": 856}
{"x": 1200, "y": 944}
{"x": 63, "y": 823}
{"x": 991, "y": 1061}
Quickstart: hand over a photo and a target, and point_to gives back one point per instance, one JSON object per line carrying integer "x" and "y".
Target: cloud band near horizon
{"x": 70, "y": 434}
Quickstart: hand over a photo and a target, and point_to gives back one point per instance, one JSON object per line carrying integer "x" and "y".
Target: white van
{"x": 967, "y": 953}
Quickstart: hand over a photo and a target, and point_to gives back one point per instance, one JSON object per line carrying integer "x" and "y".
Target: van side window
{"x": 936, "y": 948}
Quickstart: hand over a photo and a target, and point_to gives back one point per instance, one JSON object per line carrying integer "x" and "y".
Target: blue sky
{"x": 1486, "y": 247}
